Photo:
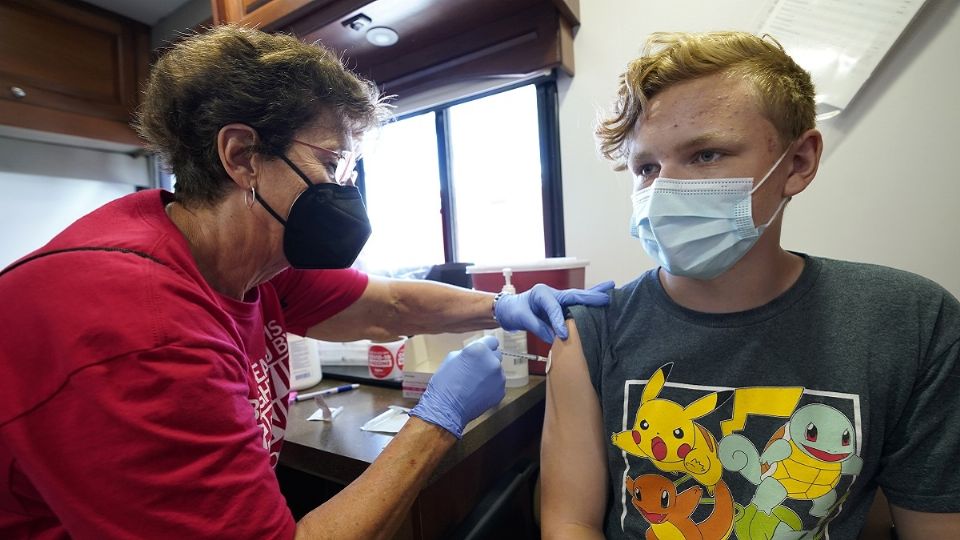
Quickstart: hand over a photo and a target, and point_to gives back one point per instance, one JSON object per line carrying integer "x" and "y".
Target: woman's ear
{"x": 805, "y": 162}
{"x": 235, "y": 144}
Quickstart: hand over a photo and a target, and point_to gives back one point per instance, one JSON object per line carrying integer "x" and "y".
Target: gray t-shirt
{"x": 782, "y": 418}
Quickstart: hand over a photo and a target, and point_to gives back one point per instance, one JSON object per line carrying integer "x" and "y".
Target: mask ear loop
{"x": 266, "y": 207}
{"x": 783, "y": 202}
{"x": 775, "y": 165}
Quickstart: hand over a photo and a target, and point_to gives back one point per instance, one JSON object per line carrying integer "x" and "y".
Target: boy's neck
{"x": 761, "y": 275}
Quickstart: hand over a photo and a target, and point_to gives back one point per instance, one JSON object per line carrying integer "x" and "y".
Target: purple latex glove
{"x": 467, "y": 383}
{"x": 540, "y": 310}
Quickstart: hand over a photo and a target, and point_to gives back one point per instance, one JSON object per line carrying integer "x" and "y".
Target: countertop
{"x": 340, "y": 451}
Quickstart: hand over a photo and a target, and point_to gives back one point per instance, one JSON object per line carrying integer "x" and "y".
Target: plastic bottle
{"x": 513, "y": 345}
{"x": 304, "y": 362}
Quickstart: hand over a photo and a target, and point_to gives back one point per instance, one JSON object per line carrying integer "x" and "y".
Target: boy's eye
{"x": 707, "y": 156}
{"x": 647, "y": 169}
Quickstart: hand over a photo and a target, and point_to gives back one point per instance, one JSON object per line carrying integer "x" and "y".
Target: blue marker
{"x": 328, "y": 391}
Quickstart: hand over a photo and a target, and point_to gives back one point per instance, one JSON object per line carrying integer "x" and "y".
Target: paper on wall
{"x": 838, "y": 41}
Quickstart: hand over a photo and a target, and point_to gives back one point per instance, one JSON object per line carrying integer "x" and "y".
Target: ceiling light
{"x": 381, "y": 36}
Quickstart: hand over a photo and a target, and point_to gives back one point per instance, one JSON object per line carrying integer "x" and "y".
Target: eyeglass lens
{"x": 346, "y": 162}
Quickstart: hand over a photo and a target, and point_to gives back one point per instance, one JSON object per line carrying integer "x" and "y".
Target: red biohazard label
{"x": 380, "y": 361}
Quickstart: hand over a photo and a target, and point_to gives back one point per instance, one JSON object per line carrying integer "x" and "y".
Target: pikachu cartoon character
{"x": 665, "y": 433}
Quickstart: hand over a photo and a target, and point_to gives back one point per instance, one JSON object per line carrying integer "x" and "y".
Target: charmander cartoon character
{"x": 665, "y": 433}
{"x": 668, "y": 512}
{"x": 803, "y": 460}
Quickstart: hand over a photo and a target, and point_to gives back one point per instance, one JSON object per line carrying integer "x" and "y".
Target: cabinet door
{"x": 259, "y": 13}
{"x": 441, "y": 41}
{"x": 61, "y": 61}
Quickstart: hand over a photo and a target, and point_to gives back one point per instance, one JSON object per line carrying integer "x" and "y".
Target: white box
{"x": 424, "y": 354}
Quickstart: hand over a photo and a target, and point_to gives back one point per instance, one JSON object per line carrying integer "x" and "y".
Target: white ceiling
{"x": 145, "y": 11}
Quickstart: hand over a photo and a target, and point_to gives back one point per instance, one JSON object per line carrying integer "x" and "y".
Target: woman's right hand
{"x": 467, "y": 383}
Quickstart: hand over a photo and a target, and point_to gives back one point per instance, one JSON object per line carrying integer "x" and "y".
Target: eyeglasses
{"x": 343, "y": 174}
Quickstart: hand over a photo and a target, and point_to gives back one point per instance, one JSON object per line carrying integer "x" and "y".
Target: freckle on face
{"x": 772, "y": 144}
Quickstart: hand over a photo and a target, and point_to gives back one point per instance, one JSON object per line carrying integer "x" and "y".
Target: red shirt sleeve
{"x": 309, "y": 297}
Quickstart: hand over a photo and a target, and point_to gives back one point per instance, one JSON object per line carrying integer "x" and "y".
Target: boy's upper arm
{"x": 911, "y": 524}
{"x": 572, "y": 453}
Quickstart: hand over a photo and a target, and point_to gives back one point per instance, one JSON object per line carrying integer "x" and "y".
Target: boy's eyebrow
{"x": 712, "y": 138}
{"x": 706, "y": 139}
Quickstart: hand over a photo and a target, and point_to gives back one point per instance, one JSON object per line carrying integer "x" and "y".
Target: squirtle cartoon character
{"x": 803, "y": 460}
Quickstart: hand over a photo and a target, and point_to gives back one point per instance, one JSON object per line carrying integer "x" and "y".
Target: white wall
{"x": 888, "y": 190}
{"x": 34, "y": 209}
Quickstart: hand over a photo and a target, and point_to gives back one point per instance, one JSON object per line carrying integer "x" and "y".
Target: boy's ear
{"x": 804, "y": 162}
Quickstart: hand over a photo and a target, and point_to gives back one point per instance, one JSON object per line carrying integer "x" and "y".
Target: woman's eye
{"x": 331, "y": 169}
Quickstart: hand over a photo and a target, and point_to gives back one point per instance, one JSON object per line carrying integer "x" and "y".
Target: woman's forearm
{"x": 375, "y": 504}
{"x": 427, "y": 307}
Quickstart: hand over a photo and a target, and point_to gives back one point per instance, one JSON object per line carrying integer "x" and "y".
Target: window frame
{"x": 551, "y": 181}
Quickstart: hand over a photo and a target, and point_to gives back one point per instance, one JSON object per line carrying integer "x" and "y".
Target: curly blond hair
{"x": 784, "y": 89}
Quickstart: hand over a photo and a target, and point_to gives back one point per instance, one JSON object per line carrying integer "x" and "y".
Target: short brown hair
{"x": 273, "y": 83}
{"x": 784, "y": 89}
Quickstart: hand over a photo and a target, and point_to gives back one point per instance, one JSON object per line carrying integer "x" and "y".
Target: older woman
{"x": 143, "y": 349}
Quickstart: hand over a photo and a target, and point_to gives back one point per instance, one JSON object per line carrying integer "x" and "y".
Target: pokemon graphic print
{"x": 781, "y": 421}
{"x": 805, "y": 459}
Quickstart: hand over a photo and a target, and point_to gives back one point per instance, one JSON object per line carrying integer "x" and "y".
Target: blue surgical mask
{"x": 698, "y": 228}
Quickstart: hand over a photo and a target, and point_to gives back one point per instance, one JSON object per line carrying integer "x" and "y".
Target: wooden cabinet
{"x": 272, "y": 14}
{"x": 441, "y": 41}
{"x": 70, "y": 68}
{"x": 320, "y": 458}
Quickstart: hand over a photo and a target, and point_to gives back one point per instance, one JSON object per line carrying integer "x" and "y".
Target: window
{"x": 402, "y": 184}
{"x": 474, "y": 181}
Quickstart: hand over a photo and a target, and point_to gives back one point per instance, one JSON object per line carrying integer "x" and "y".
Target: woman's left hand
{"x": 540, "y": 310}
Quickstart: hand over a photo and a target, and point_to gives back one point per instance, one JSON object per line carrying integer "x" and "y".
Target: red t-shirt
{"x": 136, "y": 401}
